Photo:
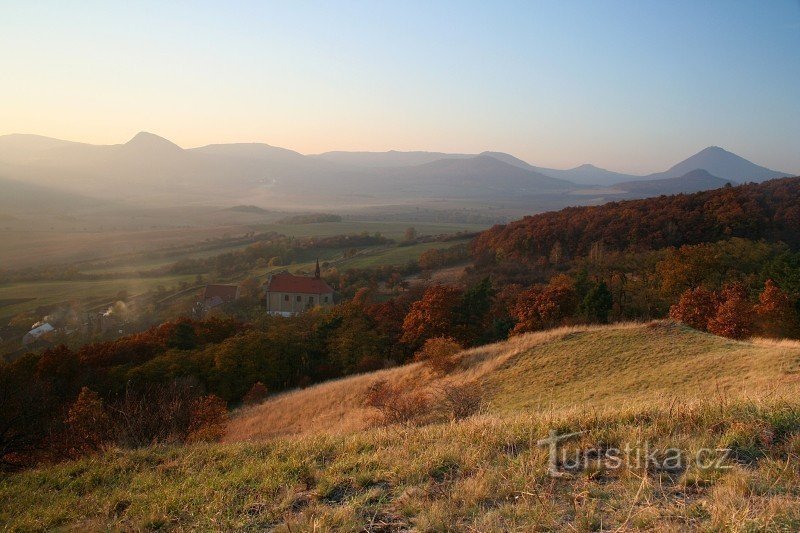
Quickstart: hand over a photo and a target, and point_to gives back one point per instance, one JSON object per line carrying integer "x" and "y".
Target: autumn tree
{"x": 431, "y": 316}
{"x": 734, "y": 315}
{"x": 777, "y": 316}
{"x": 540, "y": 307}
{"x": 695, "y": 308}
{"x": 87, "y": 422}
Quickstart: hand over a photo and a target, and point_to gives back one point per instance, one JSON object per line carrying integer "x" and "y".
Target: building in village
{"x": 286, "y": 294}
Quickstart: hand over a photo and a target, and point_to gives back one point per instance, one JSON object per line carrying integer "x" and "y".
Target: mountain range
{"x": 153, "y": 169}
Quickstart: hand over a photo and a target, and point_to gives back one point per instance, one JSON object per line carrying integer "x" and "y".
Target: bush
{"x": 439, "y": 353}
{"x": 157, "y": 414}
{"x": 396, "y": 406}
{"x": 460, "y": 401}
{"x": 208, "y": 417}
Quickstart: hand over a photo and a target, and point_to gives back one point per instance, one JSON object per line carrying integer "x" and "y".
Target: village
{"x": 282, "y": 294}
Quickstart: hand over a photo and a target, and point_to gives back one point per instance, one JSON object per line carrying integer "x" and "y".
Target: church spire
{"x": 316, "y": 270}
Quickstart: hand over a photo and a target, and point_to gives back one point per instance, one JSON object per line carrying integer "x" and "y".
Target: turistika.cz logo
{"x": 562, "y": 461}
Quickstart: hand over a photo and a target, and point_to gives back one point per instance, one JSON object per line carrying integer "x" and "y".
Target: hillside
{"x": 754, "y": 211}
{"x": 691, "y": 182}
{"x": 659, "y": 384}
{"x": 562, "y": 369}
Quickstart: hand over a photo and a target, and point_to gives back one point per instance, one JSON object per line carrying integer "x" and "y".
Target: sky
{"x": 632, "y": 86}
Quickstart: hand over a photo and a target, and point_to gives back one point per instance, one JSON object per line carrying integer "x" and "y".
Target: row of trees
{"x": 731, "y": 313}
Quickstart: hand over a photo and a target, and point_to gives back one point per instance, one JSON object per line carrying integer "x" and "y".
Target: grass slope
{"x": 485, "y": 473}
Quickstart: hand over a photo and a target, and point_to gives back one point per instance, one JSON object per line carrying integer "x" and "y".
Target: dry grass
{"x": 483, "y": 473}
{"x": 576, "y": 369}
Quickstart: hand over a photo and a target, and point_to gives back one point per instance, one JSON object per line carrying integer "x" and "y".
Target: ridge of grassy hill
{"x": 660, "y": 384}
{"x": 581, "y": 367}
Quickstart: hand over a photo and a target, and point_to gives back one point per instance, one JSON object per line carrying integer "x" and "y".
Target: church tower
{"x": 316, "y": 270}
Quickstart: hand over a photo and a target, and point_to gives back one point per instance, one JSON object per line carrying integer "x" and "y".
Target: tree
{"x": 473, "y": 315}
{"x": 410, "y": 234}
{"x": 776, "y": 314}
{"x": 431, "y": 316}
{"x": 734, "y": 316}
{"x": 598, "y": 303}
{"x": 695, "y": 308}
{"x": 88, "y": 423}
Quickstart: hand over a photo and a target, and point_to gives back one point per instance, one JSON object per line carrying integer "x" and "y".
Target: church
{"x": 287, "y": 294}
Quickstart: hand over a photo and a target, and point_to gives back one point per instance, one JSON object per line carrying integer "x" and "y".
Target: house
{"x": 214, "y": 295}
{"x": 287, "y": 294}
{"x": 34, "y": 334}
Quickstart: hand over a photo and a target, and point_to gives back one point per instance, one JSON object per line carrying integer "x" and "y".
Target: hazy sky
{"x": 631, "y": 86}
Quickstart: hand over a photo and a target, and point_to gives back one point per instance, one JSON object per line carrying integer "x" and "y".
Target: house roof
{"x": 285, "y": 282}
{"x": 225, "y": 293}
{"x": 41, "y": 330}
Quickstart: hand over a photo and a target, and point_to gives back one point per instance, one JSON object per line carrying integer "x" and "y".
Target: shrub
{"x": 438, "y": 354}
{"x": 460, "y": 401}
{"x": 154, "y": 414}
{"x": 396, "y": 406}
{"x": 208, "y": 417}
{"x": 257, "y": 394}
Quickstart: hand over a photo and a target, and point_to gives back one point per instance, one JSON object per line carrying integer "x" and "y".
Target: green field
{"x": 395, "y": 255}
{"x": 123, "y": 268}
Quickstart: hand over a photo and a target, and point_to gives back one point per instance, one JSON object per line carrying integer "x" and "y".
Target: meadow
{"x": 313, "y": 459}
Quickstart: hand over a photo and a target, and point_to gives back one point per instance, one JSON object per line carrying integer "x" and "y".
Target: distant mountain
{"x": 153, "y": 170}
{"x": 694, "y": 181}
{"x": 589, "y": 175}
{"x": 392, "y": 158}
{"x": 720, "y": 162}
{"x": 481, "y": 176}
{"x": 249, "y": 150}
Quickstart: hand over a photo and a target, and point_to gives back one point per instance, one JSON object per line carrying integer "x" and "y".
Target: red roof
{"x": 226, "y": 293}
{"x": 285, "y": 282}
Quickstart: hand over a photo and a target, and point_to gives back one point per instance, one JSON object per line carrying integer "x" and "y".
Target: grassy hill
{"x": 312, "y": 459}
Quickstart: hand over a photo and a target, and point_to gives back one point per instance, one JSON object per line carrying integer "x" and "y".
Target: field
{"x": 313, "y": 460}
{"x": 120, "y": 253}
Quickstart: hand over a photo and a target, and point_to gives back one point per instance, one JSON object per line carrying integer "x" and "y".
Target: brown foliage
{"x": 695, "y": 308}
{"x": 257, "y": 394}
{"x": 88, "y": 424}
{"x": 777, "y": 317}
{"x": 544, "y": 307}
{"x": 396, "y": 406}
{"x": 753, "y": 211}
{"x": 432, "y": 316}
{"x": 208, "y": 417}
{"x": 460, "y": 401}
{"x": 734, "y": 316}
{"x": 439, "y": 353}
